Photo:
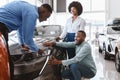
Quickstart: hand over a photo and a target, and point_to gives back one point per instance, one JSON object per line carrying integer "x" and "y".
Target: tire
{"x": 105, "y": 53}
{"x": 100, "y": 50}
{"x": 109, "y": 49}
{"x": 117, "y": 61}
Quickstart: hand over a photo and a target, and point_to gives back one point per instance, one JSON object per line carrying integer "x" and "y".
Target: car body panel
{"x": 4, "y": 61}
{"x": 30, "y": 69}
{"x": 109, "y": 39}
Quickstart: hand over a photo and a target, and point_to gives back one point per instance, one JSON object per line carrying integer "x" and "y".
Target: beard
{"x": 78, "y": 42}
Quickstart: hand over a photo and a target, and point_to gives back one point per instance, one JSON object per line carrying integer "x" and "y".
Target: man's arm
{"x": 21, "y": 39}
{"x": 66, "y": 44}
{"x": 60, "y": 44}
{"x": 28, "y": 25}
{"x": 80, "y": 55}
{"x": 20, "y": 36}
{"x": 62, "y": 36}
{"x": 82, "y": 25}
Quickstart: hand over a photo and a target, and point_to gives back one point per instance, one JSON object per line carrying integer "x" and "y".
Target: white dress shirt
{"x": 73, "y": 27}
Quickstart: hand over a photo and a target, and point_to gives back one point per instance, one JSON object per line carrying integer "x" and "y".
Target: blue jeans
{"x": 77, "y": 71}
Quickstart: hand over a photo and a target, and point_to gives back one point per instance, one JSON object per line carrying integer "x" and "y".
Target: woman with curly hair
{"x": 74, "y": 24}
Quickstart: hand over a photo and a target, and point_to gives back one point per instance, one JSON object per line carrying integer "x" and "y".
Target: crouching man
{"x": 82, "y": 65}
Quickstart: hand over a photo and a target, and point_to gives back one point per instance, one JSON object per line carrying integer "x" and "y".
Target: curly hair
{"x": 77, "y": 5}
{"x": 48, "y": 7}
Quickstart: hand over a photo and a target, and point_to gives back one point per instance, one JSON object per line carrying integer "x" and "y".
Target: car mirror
{"x": 102, "y": 34}
{"x": 116, "y": 28}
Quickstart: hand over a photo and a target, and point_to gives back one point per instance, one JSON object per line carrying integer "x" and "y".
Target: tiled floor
{"x": 105, "y": 68}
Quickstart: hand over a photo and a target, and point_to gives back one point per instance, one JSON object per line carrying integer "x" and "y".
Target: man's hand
{"x": 25, "y": 47}
{"x": 48, "y": 44}
{"x": 54, "y": 61}
{"x": 40, "y": 51}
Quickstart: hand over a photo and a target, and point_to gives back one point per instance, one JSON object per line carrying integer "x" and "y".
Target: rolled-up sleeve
{"x": 29, "y": 22}
{"x": 83, "y": 52}
{"x": 20, "y": 35}
{"x": 65, "y": 29}
{"x": 82, "y": 25}
{"x": 62, "y": 36}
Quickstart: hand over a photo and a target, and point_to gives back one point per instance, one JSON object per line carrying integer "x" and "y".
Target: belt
{"x": 4, "y": 30}
{"x": 70, "y": 37}
{"x": 3, "y": 27}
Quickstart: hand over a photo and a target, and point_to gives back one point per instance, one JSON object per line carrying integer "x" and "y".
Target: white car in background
{"x": 109, "y": 42}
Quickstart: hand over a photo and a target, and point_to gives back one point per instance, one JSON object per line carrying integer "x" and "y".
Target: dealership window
{"x": 2, "y": 2}
{"x": 94, "y": 14}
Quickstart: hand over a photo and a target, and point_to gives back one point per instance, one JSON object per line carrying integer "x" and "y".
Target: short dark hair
{"x": 77, "y": 5}
{"x": 83, "y": 32}
{"x": 48, "y": 7}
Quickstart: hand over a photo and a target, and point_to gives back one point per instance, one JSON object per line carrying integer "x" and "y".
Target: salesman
{"x": 82, "y": 64}
{"x": 22, "y": 16}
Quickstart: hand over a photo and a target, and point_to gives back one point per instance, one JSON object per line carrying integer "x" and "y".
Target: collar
{"x": 81, "y": 44}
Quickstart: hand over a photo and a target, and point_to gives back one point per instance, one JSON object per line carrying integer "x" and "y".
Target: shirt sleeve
{"x": 66, "y": 44}
{"x": 20, "y": 36}
{"x": 28, "y": 24}
{"x": 82, "y": 25}
{"x": 63, "y": 35}
{"x": 80, "y": 55}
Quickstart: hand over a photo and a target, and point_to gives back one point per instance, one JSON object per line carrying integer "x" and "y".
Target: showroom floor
{"x": 105, "y": 68}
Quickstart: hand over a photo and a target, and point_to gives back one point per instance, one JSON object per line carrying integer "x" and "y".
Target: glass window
{"x": 98, "y": 5}
{"x": 3, "y": 2}
{"x": 85, "y": 4}
{"x": 98, "y": 16}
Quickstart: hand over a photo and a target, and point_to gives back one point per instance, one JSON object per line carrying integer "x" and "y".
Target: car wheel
{"x": 117, "y": 61}
{"x": 105, "y": 54}
{"x": 100, "y": 50}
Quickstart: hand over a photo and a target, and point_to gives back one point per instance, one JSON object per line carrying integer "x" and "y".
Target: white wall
{"x": 113, "y": 9}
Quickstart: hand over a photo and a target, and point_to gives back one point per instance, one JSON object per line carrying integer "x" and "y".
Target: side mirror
{"x": 102, "y": 34}
{"x": 116, "y": 28}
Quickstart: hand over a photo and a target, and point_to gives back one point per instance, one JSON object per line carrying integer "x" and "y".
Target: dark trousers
{"x": 4, "y": 31}
{"x": 77, "y": 71}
